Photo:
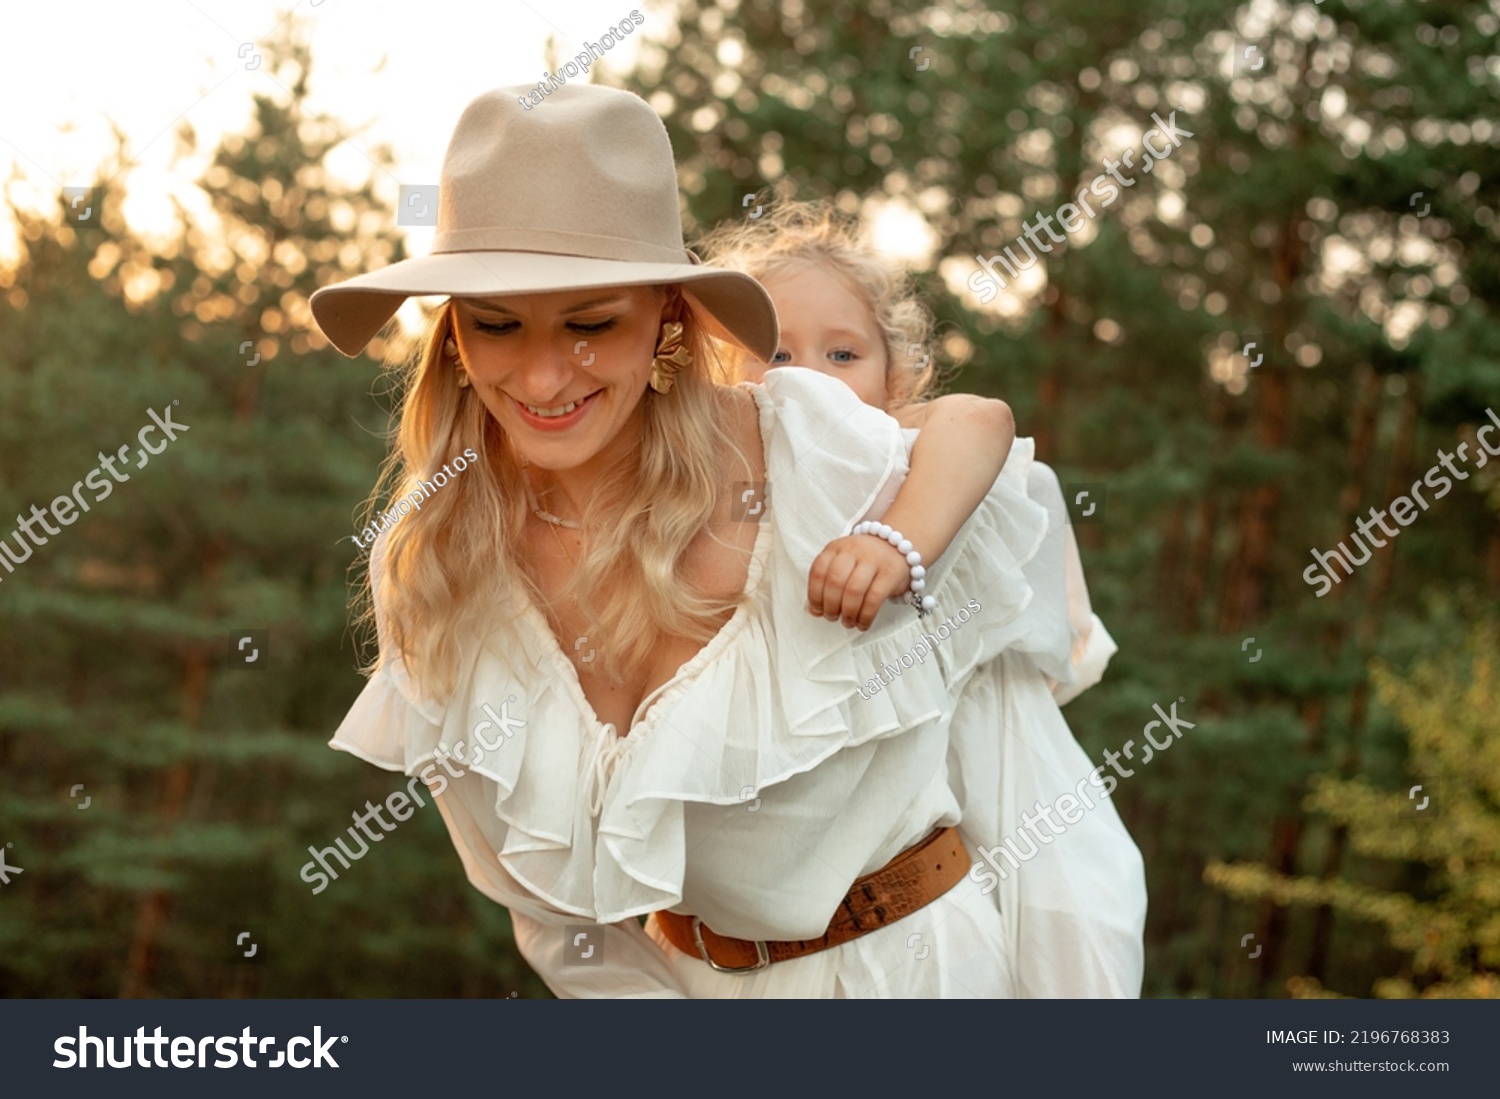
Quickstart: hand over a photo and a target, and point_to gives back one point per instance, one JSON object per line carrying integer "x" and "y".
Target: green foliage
{"x": 1288, "y": 218}
{"x": 1124, "y": 361}
{"x": 1450, "y": 925}
{"x": 206, "y": 783}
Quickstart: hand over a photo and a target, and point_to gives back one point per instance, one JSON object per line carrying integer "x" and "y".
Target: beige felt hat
{"x": 574, "y": 192}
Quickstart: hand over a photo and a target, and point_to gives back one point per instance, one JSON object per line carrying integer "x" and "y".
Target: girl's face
{"x": 564, "y": 373}
{"x": 827, "y": 327}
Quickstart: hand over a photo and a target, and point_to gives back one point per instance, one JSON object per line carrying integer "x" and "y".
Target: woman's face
{"x": 564, "y": 372}
{"x": 826, "y": 327}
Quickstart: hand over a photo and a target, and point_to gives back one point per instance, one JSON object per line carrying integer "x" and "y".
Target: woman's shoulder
{"x": 741, "y": 413}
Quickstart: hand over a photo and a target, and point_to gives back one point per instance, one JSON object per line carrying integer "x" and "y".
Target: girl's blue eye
{"x": 842, "y": 356}
{"x": 781, "y": 357}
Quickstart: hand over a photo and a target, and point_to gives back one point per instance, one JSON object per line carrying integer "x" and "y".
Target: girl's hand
{"x": 853, "y": 576}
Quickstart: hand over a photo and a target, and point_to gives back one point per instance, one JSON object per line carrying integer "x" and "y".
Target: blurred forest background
{"x": 1336, "y": 206}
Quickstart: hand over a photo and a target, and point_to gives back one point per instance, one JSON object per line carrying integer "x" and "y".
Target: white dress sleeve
{"x": 395, "y": 727}
{"x": 1073, "y": 905}
{"x": 1089, "y": 643}
{"x": 1073, "y": 901}
{"x": 1067, "y": 640}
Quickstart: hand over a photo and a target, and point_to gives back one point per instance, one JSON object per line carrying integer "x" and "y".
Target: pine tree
{"x": 1313, "y": 128}
{"x": 207, "y": 781}
{"x": 1448, "y": 822}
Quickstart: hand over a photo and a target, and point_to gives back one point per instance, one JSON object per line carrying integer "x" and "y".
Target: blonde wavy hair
{"x": 791, "y": 234}
{"x": 446, "y": 570}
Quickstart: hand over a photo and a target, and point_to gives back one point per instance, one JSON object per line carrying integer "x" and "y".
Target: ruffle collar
{"x": 594, "y": 822}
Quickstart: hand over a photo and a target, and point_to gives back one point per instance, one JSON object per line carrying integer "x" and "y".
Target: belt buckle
{"x": 762, "y": 955}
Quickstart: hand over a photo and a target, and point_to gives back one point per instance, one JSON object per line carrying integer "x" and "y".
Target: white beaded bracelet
{"x": 923, "y": 603}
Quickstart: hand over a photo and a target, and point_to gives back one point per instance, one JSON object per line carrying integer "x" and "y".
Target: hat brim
{"x": 734, "y": 306}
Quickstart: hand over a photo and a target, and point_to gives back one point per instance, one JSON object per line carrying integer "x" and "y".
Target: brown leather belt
{"x": 912, "y": 880}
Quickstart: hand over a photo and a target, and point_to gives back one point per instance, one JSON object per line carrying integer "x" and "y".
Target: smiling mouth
{"x": 557, "y": 412}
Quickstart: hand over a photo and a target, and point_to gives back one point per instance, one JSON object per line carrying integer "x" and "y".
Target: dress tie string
{"x": 608, "y": 750}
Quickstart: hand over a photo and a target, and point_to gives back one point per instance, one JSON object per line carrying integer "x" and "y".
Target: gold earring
{"x": 451, "y": 349}
{"x": 671, "y": 357}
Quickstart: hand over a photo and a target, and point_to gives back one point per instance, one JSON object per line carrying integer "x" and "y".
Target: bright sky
{"x": 398, "y": 71}
{"x": 404, "y": 69}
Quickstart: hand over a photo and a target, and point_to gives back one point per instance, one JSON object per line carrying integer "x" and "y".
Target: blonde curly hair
{"x": 447, "y": 569}
{"x": 792, "y": 234}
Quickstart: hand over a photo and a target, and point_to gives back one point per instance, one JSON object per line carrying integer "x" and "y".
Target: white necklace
{"x": 536, "y": 507}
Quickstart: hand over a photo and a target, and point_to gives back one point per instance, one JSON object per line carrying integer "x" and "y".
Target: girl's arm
{"x": 962, "y": 448}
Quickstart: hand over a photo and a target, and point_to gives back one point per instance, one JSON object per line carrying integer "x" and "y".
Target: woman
{"x": 599, "y": 632}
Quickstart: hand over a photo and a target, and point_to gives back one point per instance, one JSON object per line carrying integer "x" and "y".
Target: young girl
{"x": 1076, "y": 915}
{"x": 847, "y": 313}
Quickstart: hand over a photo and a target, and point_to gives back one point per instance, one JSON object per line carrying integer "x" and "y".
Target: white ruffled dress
{"x": 754, "y": 786}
